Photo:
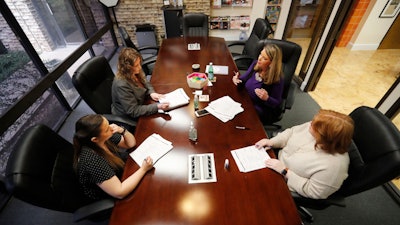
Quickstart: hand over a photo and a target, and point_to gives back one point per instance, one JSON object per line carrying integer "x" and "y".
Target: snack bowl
{"x": 197, "y": 80}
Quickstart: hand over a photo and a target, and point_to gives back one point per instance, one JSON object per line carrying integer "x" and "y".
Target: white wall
{"x": 256, "y": 11}
{"x": 372, "y": 29}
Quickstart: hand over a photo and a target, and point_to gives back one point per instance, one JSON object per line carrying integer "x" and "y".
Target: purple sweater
{"x": 274, "y": 90}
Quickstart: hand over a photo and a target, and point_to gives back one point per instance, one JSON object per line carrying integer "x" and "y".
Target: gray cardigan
{"x": 128, "y": 99}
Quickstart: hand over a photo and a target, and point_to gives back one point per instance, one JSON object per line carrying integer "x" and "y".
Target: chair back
{"x": 195, "y": 25}
{"x": 40, "y": 171}
{"x": 260, "y": 31}
{"x": 93, "y": 80}
{"x": 375, "y": 154}
{"x": 126, "y": 39}
{"x": 290, "y": 57}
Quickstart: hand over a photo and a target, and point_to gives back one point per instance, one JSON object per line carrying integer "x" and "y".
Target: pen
{"x": 242, "y": 128}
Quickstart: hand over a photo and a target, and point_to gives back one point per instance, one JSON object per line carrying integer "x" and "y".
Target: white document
{"x": 175, "y": 98}
{"x": 154, "y": 146}
{"x": 224, "y": 108}
{"x": 250, "y": 158}
{"x": 222, "y": 70}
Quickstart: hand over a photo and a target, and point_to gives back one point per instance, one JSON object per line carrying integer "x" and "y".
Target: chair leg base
{"x": 305, "y": 214}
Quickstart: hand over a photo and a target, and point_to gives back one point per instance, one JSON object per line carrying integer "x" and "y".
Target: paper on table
{"x": 222, "y": 70}
{"x": 250, "y": 158}
{"x": 224, "y": 108}
{"x": 175, "y": 98}
{"x": 154, "y": 146}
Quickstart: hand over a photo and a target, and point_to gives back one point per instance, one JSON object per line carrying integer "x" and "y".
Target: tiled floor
{"x": 355, "y": 78}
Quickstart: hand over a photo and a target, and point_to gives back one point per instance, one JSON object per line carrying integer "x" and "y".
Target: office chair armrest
{"x": 234, "y": 43}
{"x": 290, "y": 98}
{"x": 148, "y": 48}
{"x": 122, "y": 120}
{"x": 95, "y": 211}
{"x": 318, "y": 204}
{"x": 243, "y": 61}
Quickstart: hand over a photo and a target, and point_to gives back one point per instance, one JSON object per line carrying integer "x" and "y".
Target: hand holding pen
{"x": 235, "y": 78}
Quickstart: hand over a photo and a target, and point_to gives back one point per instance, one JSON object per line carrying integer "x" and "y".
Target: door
{"x": 392, "y": 37}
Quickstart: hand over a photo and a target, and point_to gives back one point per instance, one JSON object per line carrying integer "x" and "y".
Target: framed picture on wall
{"x": 391, "y": 9}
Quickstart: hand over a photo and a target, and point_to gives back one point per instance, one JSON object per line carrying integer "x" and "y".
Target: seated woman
{"x": 130, "y": 88}
{"x": 314, "y": 157}
{"x": 264, "y": 82}
{"x": 97, "y": 159}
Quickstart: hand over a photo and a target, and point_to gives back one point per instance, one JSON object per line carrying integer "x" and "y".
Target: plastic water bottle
{"x": 242, "y": 35}
{"x": 210, "y": 71}
{"x": 196, "y": 102}
{"x": 192, "y": 132}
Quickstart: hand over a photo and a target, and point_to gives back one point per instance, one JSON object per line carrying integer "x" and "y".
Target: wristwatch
{"x": 123, "y": 132}
{"x": 284, "y": 172}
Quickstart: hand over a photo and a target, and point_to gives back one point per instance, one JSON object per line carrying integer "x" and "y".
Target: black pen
{"x": 242, "y": 128}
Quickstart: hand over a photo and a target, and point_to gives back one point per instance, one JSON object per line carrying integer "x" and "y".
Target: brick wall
{"x": 351, "y": 24}
{"x": 131, "y": 12}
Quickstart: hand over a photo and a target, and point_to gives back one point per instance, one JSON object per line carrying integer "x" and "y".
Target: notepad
{"x": 222, "y": 70}
{"x": 154, "y": 146}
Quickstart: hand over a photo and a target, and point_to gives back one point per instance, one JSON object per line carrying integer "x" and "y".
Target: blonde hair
{"x": 333, "y": 131}
{"x": 274, "y": 72}
{"x": 126, "y": 62}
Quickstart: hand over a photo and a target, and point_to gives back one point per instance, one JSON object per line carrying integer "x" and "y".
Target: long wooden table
{"x": 164, "y": 196}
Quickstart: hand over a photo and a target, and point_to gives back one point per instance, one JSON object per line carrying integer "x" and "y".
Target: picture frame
{"x": 391, "y": 9}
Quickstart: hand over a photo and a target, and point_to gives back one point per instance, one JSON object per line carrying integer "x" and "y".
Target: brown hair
{"x": 274, "y": 72}
{"x": 88, "y": 127}
{"x": 333, "y": 131}
{"x": 126, "y": 61}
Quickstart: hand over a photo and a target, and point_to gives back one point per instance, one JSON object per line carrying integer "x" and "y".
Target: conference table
{"x": 164, "y": 195}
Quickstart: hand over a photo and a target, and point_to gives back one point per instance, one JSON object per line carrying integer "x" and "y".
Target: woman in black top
{"x": 97, "y": 159}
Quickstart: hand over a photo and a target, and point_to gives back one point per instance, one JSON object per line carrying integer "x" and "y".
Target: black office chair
{"x": 374, "y": 159}
{"x": 290, "y": 57}
{"x": 93, "y": 80}
{"x": 195, "y": 25}
{"x": 40, "y": 172}
{"x": 147, "y": 52}
{"x": 260, "y": 31}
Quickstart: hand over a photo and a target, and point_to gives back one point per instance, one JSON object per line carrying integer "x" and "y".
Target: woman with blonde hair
{"x": 313, "y": 156}
{"x": 264, "y": 82}
{"x": 130, "y": 89}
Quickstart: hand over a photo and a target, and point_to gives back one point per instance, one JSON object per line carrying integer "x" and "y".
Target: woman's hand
{"x": 262, "y": 93}
{"x": 264, "y": 143}
{"x": 147, "y": 164}
{"x": 236, "y": 79}
{"x": 163, "y": 106}
{"x": 156, "y": 96}
{"x": 275, "y": 164}
{"x": 116, "y": 129}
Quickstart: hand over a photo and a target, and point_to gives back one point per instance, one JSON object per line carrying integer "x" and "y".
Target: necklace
{"x": 258, "y": 77}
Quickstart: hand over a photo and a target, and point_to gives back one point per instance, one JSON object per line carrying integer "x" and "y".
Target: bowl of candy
{"x": 197, "y": 80}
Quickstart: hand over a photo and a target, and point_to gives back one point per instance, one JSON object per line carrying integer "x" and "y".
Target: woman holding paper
{"x": 264, "y": 82}
{"x": 313, "y": 156}
{"x": 130, "y": 88}
{"x": 98, "y": 161}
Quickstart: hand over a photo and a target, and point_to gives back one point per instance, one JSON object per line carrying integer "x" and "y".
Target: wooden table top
{"x": 164, "y": 195}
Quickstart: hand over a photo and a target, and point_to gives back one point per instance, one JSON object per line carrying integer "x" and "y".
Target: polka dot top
{"x": 93, "y": 169}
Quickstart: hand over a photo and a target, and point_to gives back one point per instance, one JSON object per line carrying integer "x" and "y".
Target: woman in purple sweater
{"x": 264, "y": 82}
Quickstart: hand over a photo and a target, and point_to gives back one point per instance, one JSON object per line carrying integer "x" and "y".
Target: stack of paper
{"x": 154, "y": 146}
{"x": 175, "y": 98}
{"x": 224, "y": 108}
{"x": 250, "y": 158}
